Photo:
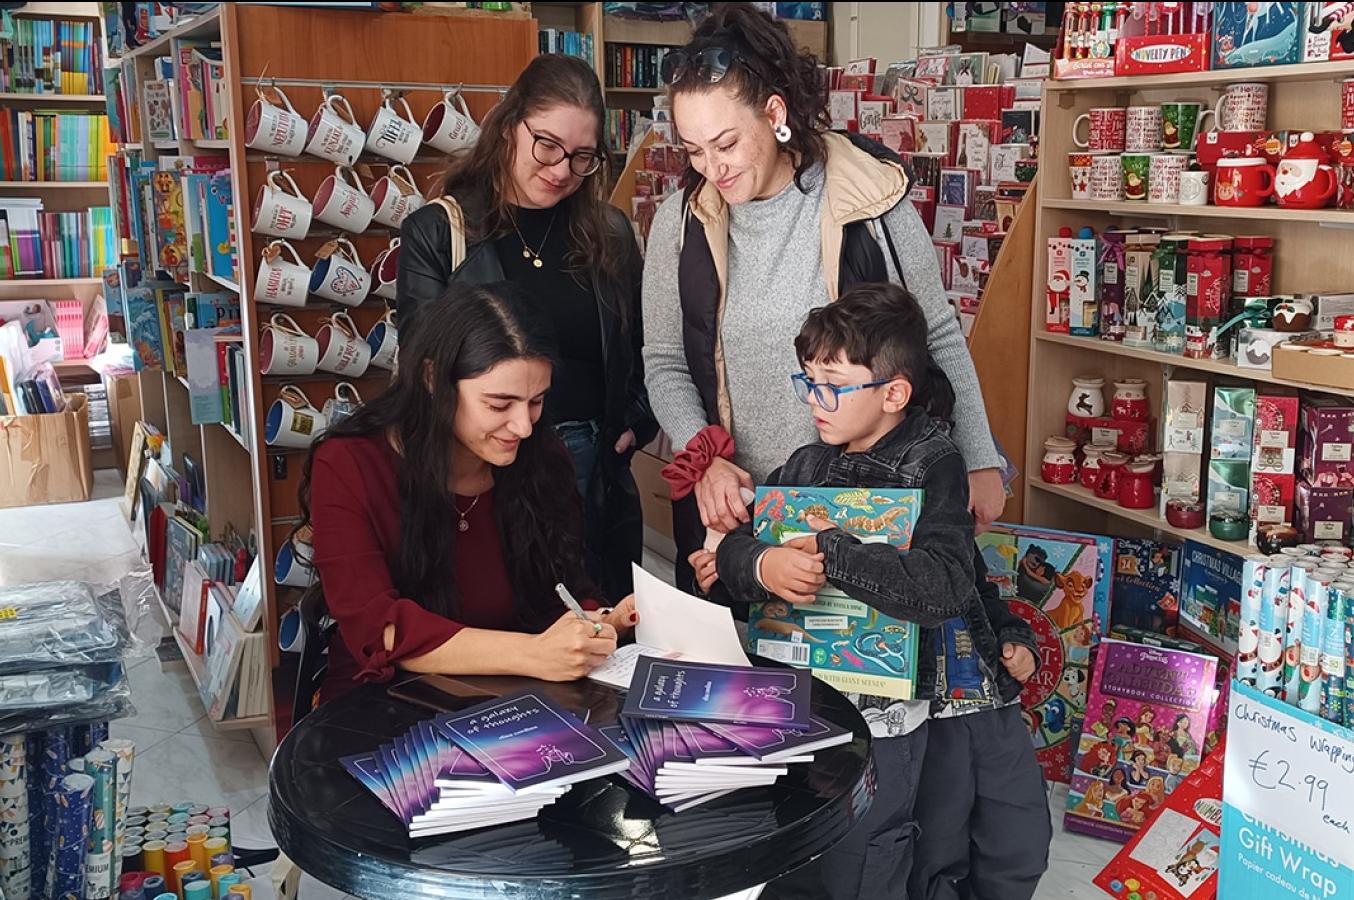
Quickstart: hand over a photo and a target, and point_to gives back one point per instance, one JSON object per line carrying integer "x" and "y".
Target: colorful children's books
{"x": 1174, "y": 855}
{"x": 846, "y": 643}
{"x": 1146, "y": 590}
{"x": 1144, "y": 732}
{"x": 704, "y": 693}
{"x": 1059, "y": 582}
{"x": 531, "y": 743}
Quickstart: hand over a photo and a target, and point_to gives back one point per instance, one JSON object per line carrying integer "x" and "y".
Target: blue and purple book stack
{"x": 498, "y": 762}
{"x": 695, "y": 732}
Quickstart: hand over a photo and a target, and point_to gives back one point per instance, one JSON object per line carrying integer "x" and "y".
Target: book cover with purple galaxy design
{"x": 529, "y": 742}
{"x": 701, "y": 692}
{"x": 773, "y": 744}
{"x": 1146, "y": 719}
{"x": 367, "y": 770}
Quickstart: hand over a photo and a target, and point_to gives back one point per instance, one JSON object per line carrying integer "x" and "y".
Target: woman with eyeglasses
{"x": 530, "y": 203}
{"x": 779, "y": 216}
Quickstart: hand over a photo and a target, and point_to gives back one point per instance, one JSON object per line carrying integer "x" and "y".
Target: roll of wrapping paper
{"x": 182, "y": 808}
{"x": 217, "y": 873}
{"x": 198, "y": 809}
{"x": 133, "y": 859}
{"x": 176, "y": 873}
{"x": 220, "y": 822}
{"x": 196, "y": 829}
{"x": 16, "y": 861}
{"x": 221, "y": 833}
{"x": 34, "y": 744}
{"x": 229, "y": 881}
{"x": 80, "y": 739}
{"x": 153, "y": 854}
{"x": 72, "y": 805}
{"x": 197, "y": 846}
{"x": 178, "y": 818}
{"x": 102, "y": 766}
{"x": 198, "y": 890}
{"x": 167, "y": 896}
{"x": 137, "y": 834}
{"x": 135, "y": 893}
{"x": 222, "y": 812}
{"x": 156, "y": 808}
{"x": 55, "y": 757}
{"x": 125, "y": 751}
{"x": 198, "y": 820}
{"x": 154, "y": 885}
{"x": 157, "y": 835}
{"x": 191, "y": 878}
{"x": 142, "y": 811}
{"x": 157, "y": 816}
{"x": 77, "y": 765}
{"x": 241, "y": 890}
{"x": 131, "y": 879}
{"x": 98, "y": 732}
{"x": 217, "y": 846}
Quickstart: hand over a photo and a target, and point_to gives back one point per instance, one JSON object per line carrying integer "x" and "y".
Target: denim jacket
{"x": 941, "y": 577}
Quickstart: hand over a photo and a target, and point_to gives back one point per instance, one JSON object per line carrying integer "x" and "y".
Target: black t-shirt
{"x": 578, "y": 387}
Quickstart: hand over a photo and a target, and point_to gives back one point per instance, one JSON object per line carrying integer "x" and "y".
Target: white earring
{"x": 782, "y": 132}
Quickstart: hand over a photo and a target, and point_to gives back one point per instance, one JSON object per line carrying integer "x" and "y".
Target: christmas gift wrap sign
{"x": 1260, "y": 862}
{"x": 1293, "y": 770}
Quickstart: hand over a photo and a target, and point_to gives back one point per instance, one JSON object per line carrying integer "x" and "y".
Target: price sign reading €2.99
{"x": 1291, "y": 770}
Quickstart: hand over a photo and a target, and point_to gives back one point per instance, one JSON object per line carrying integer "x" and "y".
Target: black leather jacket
{"x": 616, "y": 525}
{"x": 941, "y": 577}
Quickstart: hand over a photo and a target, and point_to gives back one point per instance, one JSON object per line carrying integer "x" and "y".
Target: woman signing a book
{"x": 529, "y": 202}
{"x": 780, "y": 216}
{"x": 439, "y": 531}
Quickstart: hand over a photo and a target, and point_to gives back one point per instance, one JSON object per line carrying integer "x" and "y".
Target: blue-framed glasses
{"x": 828, "y": 395}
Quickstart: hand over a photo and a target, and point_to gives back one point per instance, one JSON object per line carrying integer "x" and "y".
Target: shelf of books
{"x": 229, "y": 240}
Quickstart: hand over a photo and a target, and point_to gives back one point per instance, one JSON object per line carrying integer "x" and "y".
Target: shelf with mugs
{"x": 1131, "y": 208}
{"x": 1295, "y": 73}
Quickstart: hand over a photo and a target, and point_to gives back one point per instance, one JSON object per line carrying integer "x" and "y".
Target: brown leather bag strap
{"x": 456, "y": 219}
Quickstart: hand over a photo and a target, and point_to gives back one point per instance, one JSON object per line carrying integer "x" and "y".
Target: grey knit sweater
{"x": 775, "y": 279}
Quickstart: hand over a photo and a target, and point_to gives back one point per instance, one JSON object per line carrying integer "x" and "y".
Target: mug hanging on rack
{"x": 281, "y": 210}
{"x": 342, "y": 201}
{"x": 342, "y": 350}
{"x": 285, "y": 349}
{"x": 384, "y": 342}
{"x": 279, "y": 281}
{"x": 448, "y": 126}
{"x": 343, "y": 404}
{"x": 270, "y": 128}
{"x": 293, "y": 421}
{"x": 385, "y": 271}
{"x": 395, "y": 196}
{"x": 294, "y": 565}
{"x": 333, "y": 133}
{"x": 392, "y": 135}
{"x": 339, "y": 274}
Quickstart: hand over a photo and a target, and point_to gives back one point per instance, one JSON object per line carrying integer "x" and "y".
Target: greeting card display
{"x": 1146, "y": 720}
{"x": 850, "y": 645}
{"x": 1059, "y": 582}
{"x": 1174, "y": 855}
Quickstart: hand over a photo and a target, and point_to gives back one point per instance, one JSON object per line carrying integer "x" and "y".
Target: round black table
{"x": 601, "y": 840}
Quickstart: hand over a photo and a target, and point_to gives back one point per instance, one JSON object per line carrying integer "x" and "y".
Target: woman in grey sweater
{"x": 782, "y": 217}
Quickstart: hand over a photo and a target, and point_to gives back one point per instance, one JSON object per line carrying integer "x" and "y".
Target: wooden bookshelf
{"x": 1311, "y": 255}
{"x": 52, "y": 100}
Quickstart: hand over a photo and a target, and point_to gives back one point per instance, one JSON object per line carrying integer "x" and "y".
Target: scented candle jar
{"x": 1135, "y": 484}
{"x": 1090, "y": 464}
{"x": 1130, "y": 400}
{"x": 1060, "y": 462}
{"x": 1252, "y": 265}
{"x": 1088, "y": 397}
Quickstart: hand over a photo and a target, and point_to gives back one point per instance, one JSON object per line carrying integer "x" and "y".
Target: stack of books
{"x": 570, "y": 43}
{"x": 43, "y": 56}
{"x": 695, "y": 732}
{"x": 39, "y": 244}
{"x": 502, "y": 761}
{"x": 51, "y": 146}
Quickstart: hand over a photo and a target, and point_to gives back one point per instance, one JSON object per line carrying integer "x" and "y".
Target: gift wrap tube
{"x": 132, "y": 858}
{"x": 153, "y": 854}
{"x": 135, "y": 893}
{"x": 125, "y": 751}
{"x": 219, "y": 833}
{"x": 216, "y": 874}
{"x": 154, "y": 885}
{"x": 222, "y": 822}
{"x": 1300, "y": 577}
{"x": 183, "y": 808}
{"x": 1273, "y": 620}
{"x": 228, "y": 881}
{"x": 241, "y": 890}
{"x": 176, "y": 873}
{"x": 1313, "y": 624}
{"x": 132, "y": 879}
{"x": 197, "y": 846}
{"x": 55, "y": 757}
{"x": 198, "y": 820}
{"x": 197, "y": 829}
{"x": 191, "y": 878}
{"x": 1248, "y": 636}
{"x": 35, "y": 752}
{"x": 15, "y": 849}
{"x": 167, "y": 896}
{"x": 178, "y": 818}
{"x": 102, "y": 766}
{"x": 198, "y": 890}
{"x": 1349, "y": 658}
{"x": 72, "y": 803}
{"x": 1333, "y": 656}
{"x": 217, "y": 846}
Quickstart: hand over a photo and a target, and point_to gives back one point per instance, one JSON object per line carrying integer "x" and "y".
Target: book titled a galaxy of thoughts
{"x": 736, "y": 695}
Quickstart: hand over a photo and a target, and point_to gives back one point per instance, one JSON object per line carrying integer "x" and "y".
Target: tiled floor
{"x": 180, "y": 755}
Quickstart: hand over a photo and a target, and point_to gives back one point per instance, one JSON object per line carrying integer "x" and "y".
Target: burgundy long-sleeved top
{"x": 355, "y": 513}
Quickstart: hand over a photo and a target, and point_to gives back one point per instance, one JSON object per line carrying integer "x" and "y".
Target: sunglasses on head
{"x": 709, "y": 65}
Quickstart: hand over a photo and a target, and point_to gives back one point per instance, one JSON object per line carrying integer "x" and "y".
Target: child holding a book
{"x": 881, "y": 406}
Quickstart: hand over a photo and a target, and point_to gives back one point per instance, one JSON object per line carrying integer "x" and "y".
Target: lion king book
{"x": 700, "y": 692}
{"x": 846, "y": 643}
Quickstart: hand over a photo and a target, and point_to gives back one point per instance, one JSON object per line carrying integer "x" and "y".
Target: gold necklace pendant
{"x": 526, "y": 254}
{"x": 537, "y": 263}
{"x": 463, "y": 526}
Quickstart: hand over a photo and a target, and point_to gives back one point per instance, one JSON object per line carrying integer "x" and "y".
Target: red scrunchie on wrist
{"x": 688, "y": 467}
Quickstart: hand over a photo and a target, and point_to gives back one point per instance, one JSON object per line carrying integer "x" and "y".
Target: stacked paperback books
{"x": 688, "y": 733}
{"x": 44, "y": 56}
{"x": 49, "y": 146}
{"x": 570, "y": 43}
{"x": 39, "y": 244}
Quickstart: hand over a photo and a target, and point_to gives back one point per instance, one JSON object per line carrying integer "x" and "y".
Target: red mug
{"x": 1243, "y": 181}
{"x": 1105, "y": 128}
{"x": 1135, "y": 485}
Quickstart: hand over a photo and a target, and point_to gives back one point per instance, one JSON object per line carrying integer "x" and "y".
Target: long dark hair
{"x": 463, "y": 335}
{"x": 766, "y": 63}
{"x": 882, "y": 327}
{"x": 549, "y": 81}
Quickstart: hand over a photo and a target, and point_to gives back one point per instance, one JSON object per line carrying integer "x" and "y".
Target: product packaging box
{"x": 1254, "y": 347}
{"x": 1083, "y": 304}
{"x": 1180, "y": 478}
{"x": 1140, "y": 278}
{"x": 1325, "y": 307}
{"x": 1059, "y": 283}
{"x": 1233, "y": 421}
{"x": 1186, "y": 402}
{"x": 1274, "y": 458}
{"x": 1327, "y": 436}
{"x": 46, "y": 458}
{"x": 1229, "y": 487}
{"x": 1161, "y": 54}
{"x": 1324, "y": 513}
{"x": 1210, "y": 605}
{"x": 1272, "y": 496}
{"x": 1127, "y": 435}
{"x": 1244, "y": 37}
{"x": 1146, "y": 590}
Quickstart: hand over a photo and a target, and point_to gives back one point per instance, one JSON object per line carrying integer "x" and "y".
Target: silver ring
{"x": 596, "y": 627}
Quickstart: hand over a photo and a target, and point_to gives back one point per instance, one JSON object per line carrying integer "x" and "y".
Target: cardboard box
{"x": 1245, "y": 38}
{"x": 1229, "y": 487}
{"x": 1186, "y": 402}
{"x": 1326, "y": 443}
{"x": 124, "y": 409}
{"x": 1297, "y": 365}
{"x": 1325, "y": 307}
{"x": 46, "y": 458}
{"x": 1180, "y": 479}
{"x": 1161, "y": 54}
{"x": 1233, "y": 421}
{"x": 1127, "y": 435}
{"x": 655, "y": 497}
{"x": 1323, "y": 513}
{"x": 1272, "y": 495}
